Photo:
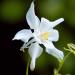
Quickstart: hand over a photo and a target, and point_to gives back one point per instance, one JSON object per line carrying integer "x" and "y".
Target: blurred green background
{"x": 13, "y": 15}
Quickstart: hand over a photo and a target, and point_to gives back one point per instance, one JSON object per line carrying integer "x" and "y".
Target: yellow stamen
{"x": 45, "y": 36}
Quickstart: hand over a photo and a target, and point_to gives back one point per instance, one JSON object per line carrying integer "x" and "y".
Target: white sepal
{"x": 54, "y": 51}
{"x": 58, "y": 21}
{"x": 53, "y": 35}
{"x": 34, "y": 51}
{"x": 32, "y": 19}
{"x": 23, "y": 35}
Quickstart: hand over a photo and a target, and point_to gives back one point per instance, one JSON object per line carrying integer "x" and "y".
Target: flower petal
{"x": 23, "y": 35}
{"x": 35, "y": 34}
{"x": 32, "y": 19}
{"x": 34, "y": 51}
{"x": 47, "y": 25}
{"x": 57, "y": 22}
{"x": 54, "y": 35}
{"x": 48, "y": 44}
{"x": 50, "y": 49}
{"x": 56, "y": 53}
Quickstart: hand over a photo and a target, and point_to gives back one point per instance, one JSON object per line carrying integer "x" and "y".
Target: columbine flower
{"x": 43, "y": 34}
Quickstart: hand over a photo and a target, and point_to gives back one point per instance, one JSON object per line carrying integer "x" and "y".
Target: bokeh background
{"x": 13, "y": 19}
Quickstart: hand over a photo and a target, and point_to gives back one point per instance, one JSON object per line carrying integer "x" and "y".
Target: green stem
{"x": 27, "y": 68}
{"x": 62, "y": 62}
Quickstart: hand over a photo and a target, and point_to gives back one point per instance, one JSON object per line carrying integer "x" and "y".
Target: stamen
{"x": 45, "y": 36}
{"x": 28, "y": 43}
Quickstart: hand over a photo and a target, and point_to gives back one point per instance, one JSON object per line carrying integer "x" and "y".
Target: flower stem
{"x": 27, "y": 67}
{"x": 61, "y": 63}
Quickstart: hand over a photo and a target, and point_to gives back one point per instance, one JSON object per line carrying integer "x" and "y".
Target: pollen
{"x": 45, "y": 36}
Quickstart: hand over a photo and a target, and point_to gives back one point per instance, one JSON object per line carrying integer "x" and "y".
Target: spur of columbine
{"x": 44, "y": 33}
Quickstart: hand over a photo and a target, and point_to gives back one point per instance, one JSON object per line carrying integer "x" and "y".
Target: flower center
{"x": 45, "y": 35}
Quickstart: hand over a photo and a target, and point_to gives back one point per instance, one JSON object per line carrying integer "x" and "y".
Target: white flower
{"x": 43, "y": 34}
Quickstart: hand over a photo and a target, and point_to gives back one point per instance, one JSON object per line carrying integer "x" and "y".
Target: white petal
{"x": 32, "y": 19}
{"x": 47, "y": 25}
{"x": 56, "y": 53}
{"x": 23, "y": 35}
{"x": 36, "y": 36}
{"x": 57, "y": 22}
{"x": 48, "y": 44}
{"x": 50, "y": 49}
{"x": 54, "y": 35}
{"x": 34, "y": 51}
